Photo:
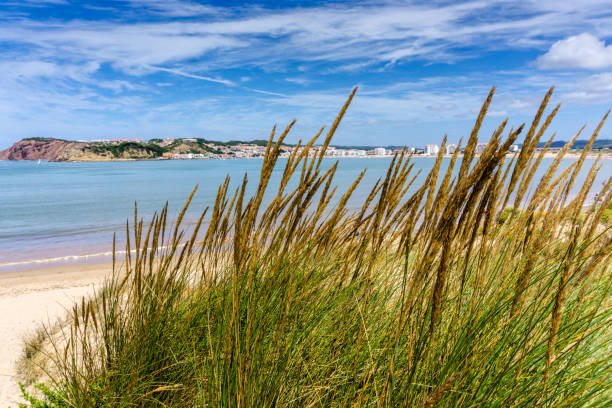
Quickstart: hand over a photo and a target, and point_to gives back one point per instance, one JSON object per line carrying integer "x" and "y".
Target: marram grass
{"x": 439, "y": 298}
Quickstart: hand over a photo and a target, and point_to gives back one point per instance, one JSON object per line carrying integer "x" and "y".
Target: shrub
{"x": 48, "y": 399}
{"x": 606, "y": 216}
{"x": 506, "y": 213}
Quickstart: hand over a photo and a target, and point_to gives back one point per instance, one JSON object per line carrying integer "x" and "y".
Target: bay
{"x": 67, "y": 212}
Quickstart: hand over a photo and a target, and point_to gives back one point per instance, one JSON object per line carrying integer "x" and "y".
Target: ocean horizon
{"x": 62, "y": 213}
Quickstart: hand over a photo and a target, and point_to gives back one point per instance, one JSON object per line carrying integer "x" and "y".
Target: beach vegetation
{"x": 129, "y": 148}
{"x": 606, "y": 215}
{"x": 469, "y": 290}
{"x": 48, "y": 398}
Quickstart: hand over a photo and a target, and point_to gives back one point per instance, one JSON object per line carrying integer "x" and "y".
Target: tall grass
{"x": 428, "y": 299}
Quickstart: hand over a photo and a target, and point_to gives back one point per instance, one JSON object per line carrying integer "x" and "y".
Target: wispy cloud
{"x": 298, "y": 80}
{"x": 356, "y": 35}
{"x": 174, "y": 8}
{"x": 37, "y": 3}
{"x": 592, "y": 89}
{"x": 194, "y": 76}
{"x": 418, "y": 62}
{"x": 261, "y": 91}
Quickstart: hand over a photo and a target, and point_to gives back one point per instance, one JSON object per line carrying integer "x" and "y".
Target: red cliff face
{"x": 35, "y": 149}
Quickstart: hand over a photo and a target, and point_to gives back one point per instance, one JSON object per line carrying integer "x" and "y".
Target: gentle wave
{"x": 68, "y": 258}
{"x": 62, "y": 258}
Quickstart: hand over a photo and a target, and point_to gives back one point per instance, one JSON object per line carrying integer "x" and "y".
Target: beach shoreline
{"x": 548, "y": 155}
{"x": 32, "y": 297}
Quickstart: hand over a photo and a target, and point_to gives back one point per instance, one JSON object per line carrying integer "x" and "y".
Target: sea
{"x": 63, "y": 213}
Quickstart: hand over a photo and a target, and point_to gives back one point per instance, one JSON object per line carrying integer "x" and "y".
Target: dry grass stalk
{"x": 302, "y": 300}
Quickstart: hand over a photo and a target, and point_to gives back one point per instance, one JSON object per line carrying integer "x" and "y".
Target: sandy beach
{"x": 30, "y": 298}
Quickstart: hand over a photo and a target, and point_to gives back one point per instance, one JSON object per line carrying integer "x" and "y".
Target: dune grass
{"x": 420, "y": 300}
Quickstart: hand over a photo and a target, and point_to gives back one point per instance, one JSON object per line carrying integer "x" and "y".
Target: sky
{"x": 230, "y": 70}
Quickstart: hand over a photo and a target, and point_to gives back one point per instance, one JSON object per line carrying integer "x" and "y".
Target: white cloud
{"x": 118, "y": 85}
{"x": 580, "y": 51}
{"x": 299, "y": 80}
{"x": 592, "y": 89}
{"x": 351, "y": 37}
{"x": 601, "y": 82}
{"x": 174, "y": 8}
{"x": 443, "y": 107}
{"x": 29, "y": 70}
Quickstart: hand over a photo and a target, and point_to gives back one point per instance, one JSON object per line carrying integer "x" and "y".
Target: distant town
{"x": 256, "y": 149}
{"x": 51, "y": 149}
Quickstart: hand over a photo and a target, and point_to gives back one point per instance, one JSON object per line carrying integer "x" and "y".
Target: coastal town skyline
{"x": 61, "y": 150}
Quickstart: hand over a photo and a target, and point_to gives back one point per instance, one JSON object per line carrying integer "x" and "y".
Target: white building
{"x": 380, "y": 151}
{"x": 432, "y": 149}
{"x": 480, "y": 147}
{"x": 450, "y": 148}
{"x": 332, "y": 151}
{"x": 514, "y": 148}
{"x": 354, "y": 153}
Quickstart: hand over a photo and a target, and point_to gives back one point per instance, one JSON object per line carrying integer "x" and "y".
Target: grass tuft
{"x": 443, "y": 297}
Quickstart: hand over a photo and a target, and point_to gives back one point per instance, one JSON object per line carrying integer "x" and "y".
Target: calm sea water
{"x": 67, "y": 212}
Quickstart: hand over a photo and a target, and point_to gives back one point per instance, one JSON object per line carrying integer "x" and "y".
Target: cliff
{"x": 63, "y": 150}
{"x": 38, "y": 149}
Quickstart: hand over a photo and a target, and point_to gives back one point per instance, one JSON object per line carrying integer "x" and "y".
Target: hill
{"x": 580, "y": 144}
{"x": 39, "y": 149}
{"x": 64, "y": 150}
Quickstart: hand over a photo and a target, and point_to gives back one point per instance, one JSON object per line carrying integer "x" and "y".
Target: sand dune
{"x": 29, "y": 298}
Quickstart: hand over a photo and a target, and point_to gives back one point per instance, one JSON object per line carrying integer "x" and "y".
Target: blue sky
{"x": 231, "y": 70}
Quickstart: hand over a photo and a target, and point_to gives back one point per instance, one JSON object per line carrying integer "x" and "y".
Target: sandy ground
{"x": 29, "y": 298}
